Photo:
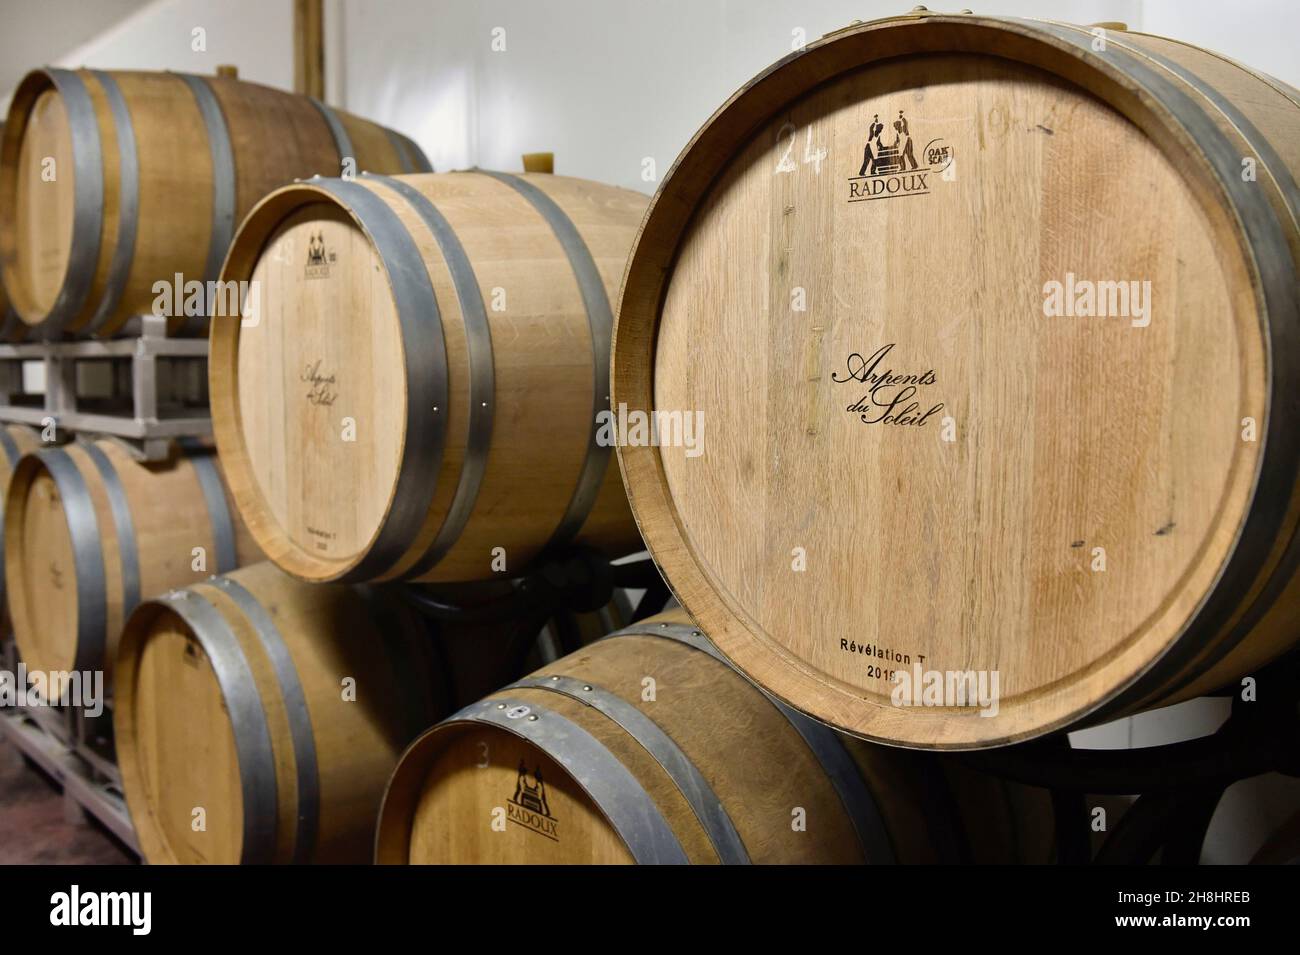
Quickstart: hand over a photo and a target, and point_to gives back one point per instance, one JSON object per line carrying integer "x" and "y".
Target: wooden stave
{"x": 671, "y": 212}
{"x": 230, "y": 111}
{"x": 252, "y": 625}
{"x": 413, "y": 533}
{"x": 914, "y": 796}
{"x": 110, "y": 552}
{"x": 1256, "y": 622}
{"x": 1193, "y": 667}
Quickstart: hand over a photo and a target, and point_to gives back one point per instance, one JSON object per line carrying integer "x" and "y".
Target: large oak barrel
{"x": 422, "y": 401}
{"x": 15, "y": 441}
{"x": 112, "y": 181}
{"x": 90, "y": 532}
{"x": 275, "y": 707}
{"x": 648, "y": 747}
{"x": 994, "y": 326}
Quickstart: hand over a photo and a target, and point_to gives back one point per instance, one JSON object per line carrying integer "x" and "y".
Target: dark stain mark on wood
{"x": 1161, "y": 532}
{"x": 1076, "y": 544}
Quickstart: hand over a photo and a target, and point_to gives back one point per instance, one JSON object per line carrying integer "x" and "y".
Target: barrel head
{"x": 974, "y": 354}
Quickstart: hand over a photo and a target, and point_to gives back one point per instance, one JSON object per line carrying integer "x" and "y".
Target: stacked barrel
{"x": 258, "y": 718}
{"x": 648, "y": 747}
{"x": 998, "y": 413}
{"x": 113, "y": 181}
{"x": 962, "y": 484}
{"x": 114, "y": 186}
{"x": 413, "y": 395}
{"x": 414, "y": 351}
{"x": 423, "y": 404}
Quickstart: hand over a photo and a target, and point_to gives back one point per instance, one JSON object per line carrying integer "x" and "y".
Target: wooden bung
{"x": 539, "y": 162}
{"x": 993, "y": 324}
{"x": 418, "y": 392}
{"x": 257, "y": 718}
{"x": 647, "y": 747}
{"x": 113, "y": 181}
{"x": 89, "y": 532}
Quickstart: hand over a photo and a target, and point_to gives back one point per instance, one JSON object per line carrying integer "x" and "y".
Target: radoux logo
{"x": 890, "y": 168}
{"x": 529, "y": 807}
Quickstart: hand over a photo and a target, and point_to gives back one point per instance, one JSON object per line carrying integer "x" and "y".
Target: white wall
{"x": 41, "y": 31}
{"x": 254, "y": 35}
{"x": 602, "y": 83}
{"x": 605, "y": 83}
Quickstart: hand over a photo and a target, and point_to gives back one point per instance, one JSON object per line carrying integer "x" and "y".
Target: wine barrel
{"x": 379, "y": 414}
{"x": 15, "y": 441}
{"x": 90, "y": 532}
{"x": 111, "y": 181}
{"x": 275, "y": 707}
{"x": 648, "y": 747}
{"x": 1035, "y": 425}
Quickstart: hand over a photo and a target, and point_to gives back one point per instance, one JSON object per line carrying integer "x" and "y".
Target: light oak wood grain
{"x": 275, "y": 138}
{"x": 455, "y": 782}
{"x": 975, "y": 548}
{"x": 329, "y": 349}
{"x": 177, "y": 748}
{"x": 169, "y": 517}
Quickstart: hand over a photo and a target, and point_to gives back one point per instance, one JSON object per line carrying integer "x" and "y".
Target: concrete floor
{"x": 35, "y": 828}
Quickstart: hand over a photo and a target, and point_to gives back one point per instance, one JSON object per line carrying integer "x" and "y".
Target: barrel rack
{"x": 154, "y": 393}
{"x": 76, "y": 751}
{"x": 539, "y": 614}
{"x": 71, "y": 749}
{"x": 157, "y": 391}
{"x": 1178, "y": 786}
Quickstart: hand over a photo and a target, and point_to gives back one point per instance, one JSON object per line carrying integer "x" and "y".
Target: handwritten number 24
{"x": 810, "y": 155}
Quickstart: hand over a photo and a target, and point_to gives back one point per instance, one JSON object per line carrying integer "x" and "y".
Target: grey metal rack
{"x": 61, "y": 741}
{"x": 161, "y": 371}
